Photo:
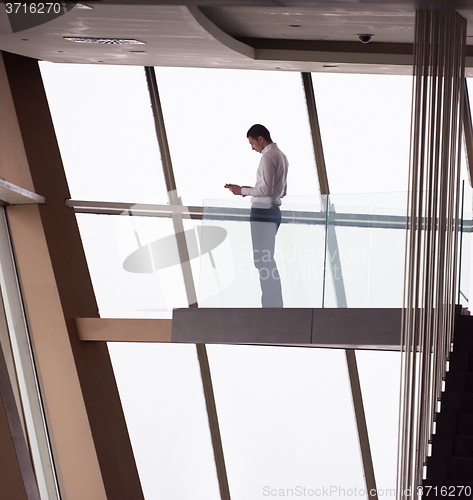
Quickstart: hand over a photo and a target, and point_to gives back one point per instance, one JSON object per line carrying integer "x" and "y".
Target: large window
{"x": 164, "y": 407}
{"x": 207, "y": 114}
{"x": 287, "y": 421}
{"x": 365, "y": 128}
{"x": 105, "y": 129}
{"x": 286, "y": 414}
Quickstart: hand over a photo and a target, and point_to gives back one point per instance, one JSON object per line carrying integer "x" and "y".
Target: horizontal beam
{"x": 236, "y": 214}
{"x": 242, "y": 214}
{"x": 327, "y": 327}
{"x": 335, "y": 328}
{"x": 12, "y": 194}
{"x": 136, "y": 209}
{"x": 124, "y": 330}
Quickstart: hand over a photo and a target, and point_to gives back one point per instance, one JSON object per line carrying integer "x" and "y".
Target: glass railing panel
{"x": 228, "y": 277}
{"x": 366, "y": 248}
{"x": 352, "y": 256}
{"x": 347, "y": 257}
{"x": 386, "y": 274}
{"x": 134, "y": 265}
{"x": 301, "y": 258}
{"x": 340, "y": 251}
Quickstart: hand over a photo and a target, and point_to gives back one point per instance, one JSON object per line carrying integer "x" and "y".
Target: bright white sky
{"x": 286, "y": 414}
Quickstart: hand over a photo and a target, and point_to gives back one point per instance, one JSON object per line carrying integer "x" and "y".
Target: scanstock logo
{"x": 25, "y": 15}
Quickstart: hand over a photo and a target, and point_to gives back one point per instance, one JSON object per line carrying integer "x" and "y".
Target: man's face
{"x": 257, "y": 144}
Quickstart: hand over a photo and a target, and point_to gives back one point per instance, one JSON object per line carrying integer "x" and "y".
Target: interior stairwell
{"x": 450, "y": 466}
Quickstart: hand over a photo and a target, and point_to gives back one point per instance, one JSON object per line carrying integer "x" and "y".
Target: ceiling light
{"x": 82, "y": 6}
{"x": 106, "y": 41}
{"x": 365, "y": 38}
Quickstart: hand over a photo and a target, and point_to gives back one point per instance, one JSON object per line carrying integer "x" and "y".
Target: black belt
{"x": 272, "y": 214}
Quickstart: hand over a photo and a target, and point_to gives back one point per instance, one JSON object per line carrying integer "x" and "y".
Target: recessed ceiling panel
{"x": 394, "y": 26}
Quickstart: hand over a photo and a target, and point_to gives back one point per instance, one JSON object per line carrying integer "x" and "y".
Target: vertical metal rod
{"x": 325, "y": 251}
{"x": 174, "y": 199}
{"x": 362, "y": 429}
{"x": 461, "y": 244}
{"x": 161, "y": 131}
{"x": 213, "y": 422}
{"x": 432, "y": 244}
{"x": 408, "y": 311}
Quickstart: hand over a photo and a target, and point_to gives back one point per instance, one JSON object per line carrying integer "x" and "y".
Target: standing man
{"x": 265, "y": 217}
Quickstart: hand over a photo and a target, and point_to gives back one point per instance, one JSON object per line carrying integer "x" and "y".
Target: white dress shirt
{"x": 271, "y": 178}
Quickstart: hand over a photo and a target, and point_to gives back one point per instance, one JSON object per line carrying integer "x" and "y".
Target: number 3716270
{"x": 444, "y": 491}
{"x": 33, "y": 8}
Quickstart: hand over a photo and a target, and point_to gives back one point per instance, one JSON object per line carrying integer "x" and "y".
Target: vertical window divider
{"x": 353, "y": 375}
{"x": 177, "y": 218}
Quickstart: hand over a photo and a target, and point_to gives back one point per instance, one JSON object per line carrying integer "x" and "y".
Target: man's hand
{"x": 234, "y": 188}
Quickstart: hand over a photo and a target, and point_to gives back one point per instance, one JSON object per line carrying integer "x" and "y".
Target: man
{"x": 265, "y": 217}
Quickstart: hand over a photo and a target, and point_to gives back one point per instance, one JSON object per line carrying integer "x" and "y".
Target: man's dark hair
{"x": 259, "y": 130}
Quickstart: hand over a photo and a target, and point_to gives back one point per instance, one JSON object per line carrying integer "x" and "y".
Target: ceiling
{"x": 393, "y": 26}
{"x": 296, "y": 35}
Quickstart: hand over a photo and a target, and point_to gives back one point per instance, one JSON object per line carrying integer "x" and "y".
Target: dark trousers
{"x": 264, "y": 227}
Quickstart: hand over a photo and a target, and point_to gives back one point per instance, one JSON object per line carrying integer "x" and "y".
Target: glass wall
{"x": 105, "y": 129}
{"x": 286, "y": 414}
{"x": 287, "y": 421}
{"x": 134, "y": 265}
{"x": 164, "y": 407}
{"x": 365, "y": 128}
{"x": 207, "y": 114}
